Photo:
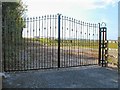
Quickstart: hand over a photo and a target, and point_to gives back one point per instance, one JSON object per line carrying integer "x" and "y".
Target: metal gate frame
{"x": 103, "y": 50}
{"x": 103, "y": 44}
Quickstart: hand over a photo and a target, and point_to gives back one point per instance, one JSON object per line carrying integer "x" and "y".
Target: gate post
{"x": 59, "y": 40}
{"x": 103, "y": 45}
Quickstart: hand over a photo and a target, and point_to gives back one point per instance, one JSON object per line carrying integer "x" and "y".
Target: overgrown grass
{"x": 113, "y": 45}
{"x": 112, "y": 60}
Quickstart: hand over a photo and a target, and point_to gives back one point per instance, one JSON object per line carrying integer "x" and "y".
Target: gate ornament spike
{"x": 59, "y": 14}
{"x": 27, "y": 18}
{"x": 103, "y": 24}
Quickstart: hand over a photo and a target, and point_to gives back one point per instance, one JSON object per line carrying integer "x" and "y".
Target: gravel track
{"x": 74, "y": 77}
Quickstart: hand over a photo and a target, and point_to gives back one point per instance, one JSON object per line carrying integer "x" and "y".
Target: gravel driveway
{"x": 75, "y": 77}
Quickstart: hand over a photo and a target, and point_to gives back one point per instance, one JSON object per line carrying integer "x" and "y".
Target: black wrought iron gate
{"x": 50, "y": 41}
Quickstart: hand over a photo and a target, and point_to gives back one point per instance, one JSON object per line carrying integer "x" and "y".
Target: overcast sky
{"x": 93, "y": 11}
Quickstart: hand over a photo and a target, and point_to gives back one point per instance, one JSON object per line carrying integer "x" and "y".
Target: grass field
{"x": 70, "y": 43}
{"x": 113, "y": 45}
{"x": 76, "y": 43}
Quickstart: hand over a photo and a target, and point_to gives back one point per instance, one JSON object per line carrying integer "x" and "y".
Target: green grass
{"x": 112, "y": 60}
{"x": 113, "y": 45}
{"x": 74, "y": 43}
{"x": 69, "y": 43}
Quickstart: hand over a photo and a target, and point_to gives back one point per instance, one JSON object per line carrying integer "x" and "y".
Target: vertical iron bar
{"x": 53, "y": 41}
{"x": 65, "y": 40}
{"x": 39, "y": 44}
{"x": 23, "y": 63}
{"x": 42, "y": 45}
{"x": 106, "y": 51}
{"x": 47, "y": 44}
{"x": 93, "y": 39}
{"x": 3, "y": 41}
{"x": 88, "y": 40}
{"x": 36, "y": 37}
{"x": 83, "y": 57}
{"x": 56, "y": 43}
{"x": 33, "y": 41}
{"x": 26, "y": 41}
{"x": 67, "y": 60}
{"x": 15, "y": 44}
{"x": 44, "y": 41}
{"x": 74, "y": 61}
{"x": 90, "y": 27}
{"x": 19, "y": 62}
{"x": 99, "y": 55}
{"x": 17, "y": 39}
{"x": 27, "y": 21}
{"x": 69, "y": 29}
{"x": 49, "y": 36}
{"x": 71, "y": 41}
{"x": 62, "y": 43}
{"x": 59, "y": 40}
{"x": 103, "y": 47}
{"x": 11, "y": 43}
{"x": 1, "y": 28}
{"x": 92, "y": 43}
{"x": 96, "y": 41}
{"x": 7, "y": 46}
{"x": 4, "y": 31}
{"x": 85, "y": 38}
{"x": 78, "y": 41}
{"x": 30, "y": 42}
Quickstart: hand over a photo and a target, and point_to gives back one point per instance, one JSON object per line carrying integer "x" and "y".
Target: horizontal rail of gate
{"x": 50, "y": 41}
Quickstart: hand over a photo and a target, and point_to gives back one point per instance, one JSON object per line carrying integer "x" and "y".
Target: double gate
{"x": 52, "y": 41}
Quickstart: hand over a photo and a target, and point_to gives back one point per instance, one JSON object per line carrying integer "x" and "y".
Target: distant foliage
{"x": 13, "y": 24}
